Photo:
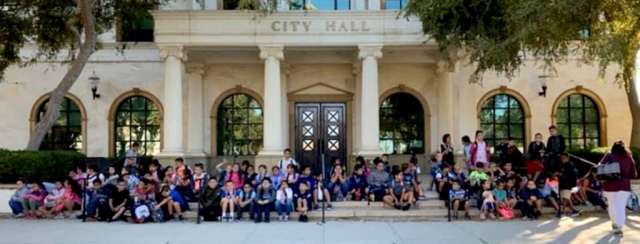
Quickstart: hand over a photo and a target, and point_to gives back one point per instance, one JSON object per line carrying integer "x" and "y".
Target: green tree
{"x": 498, "y": 35}
{"x": 58, "y": 27}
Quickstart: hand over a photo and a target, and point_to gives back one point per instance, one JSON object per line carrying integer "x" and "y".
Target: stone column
{"x": 356, "y": 69}
{"x": 373, "y": 4}
{"x": 286, "y": 70}
{"x": 195, "y": 109}
{"x": 369, "y": 110}
{"x": 273, "y": 130}
{"x": 446, "y": 110}
{"x": 173, "y": 57}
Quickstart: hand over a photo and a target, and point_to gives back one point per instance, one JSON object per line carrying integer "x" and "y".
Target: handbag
{"x": 506, "y": 212}
{"x": 608, "y": 170}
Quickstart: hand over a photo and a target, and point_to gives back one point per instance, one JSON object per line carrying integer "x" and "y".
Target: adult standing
{"x": 534, "y": 158}
{"x": 555, "y": 146}
{"x": 447, "y": 150}
{"x": 480, "y": 150}
{"x": 618, "y": 191}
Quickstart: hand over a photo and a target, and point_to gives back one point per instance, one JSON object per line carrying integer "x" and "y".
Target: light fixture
{"x": 543, "y": 83}
{"x": 94, "y": 81}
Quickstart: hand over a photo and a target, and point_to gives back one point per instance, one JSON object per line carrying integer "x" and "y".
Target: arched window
{"x": 401, "y": 124}
{"x": 578, "y": 120}
{"x": 66, "y": 133}
{"x": 502, "y": 117}
{"x": 239, "y": 125}
{"x": 137, "y": 119}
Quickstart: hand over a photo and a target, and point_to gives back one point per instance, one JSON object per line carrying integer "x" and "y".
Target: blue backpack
{"x": 632, "y": 204}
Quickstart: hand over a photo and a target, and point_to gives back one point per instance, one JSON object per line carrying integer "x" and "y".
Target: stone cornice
{"x": 444, "y": 66}
{"x": 275, "y": 51}
{"x": 173, "y": 51}
{"x": 374, "y": 50}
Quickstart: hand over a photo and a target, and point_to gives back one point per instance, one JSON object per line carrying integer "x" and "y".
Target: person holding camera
{"x": 618, "y": 191}
{"x": 511, "y": 154}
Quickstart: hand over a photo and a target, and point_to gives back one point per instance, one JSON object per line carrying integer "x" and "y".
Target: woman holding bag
{"x": 618, "y": 191}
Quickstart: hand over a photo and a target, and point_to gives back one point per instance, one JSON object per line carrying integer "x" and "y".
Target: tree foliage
{"x": 61, "y": 30}
{"x": 498, "y": 35}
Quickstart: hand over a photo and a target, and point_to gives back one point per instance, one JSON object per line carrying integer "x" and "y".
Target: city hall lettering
{"x": 328, "y": 26}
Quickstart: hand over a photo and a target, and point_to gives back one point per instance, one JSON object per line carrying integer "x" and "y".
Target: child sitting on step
{"x": 459, "y": 200}
{"x": 397, "y": 195}
{"x": 488, "y": 201}
{"x": 358, "y": 184}
{"x": 303, "y": 199}
{"x": 320, "y": 193}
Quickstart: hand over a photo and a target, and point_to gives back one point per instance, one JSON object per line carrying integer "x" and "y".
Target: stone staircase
{"x": 429, "y": 209}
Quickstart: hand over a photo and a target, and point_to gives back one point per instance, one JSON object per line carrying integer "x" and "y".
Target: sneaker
{"x": 618, "y": 233}
{"x": 286, "y": 218}
{"x": 525, "y": 218}
{"x": 492, "y": 216}
{"x": 317, "y": 208}
{"x": 301, "y": 218}
{"x": 559, "y": 215}
{"x": 482, "y": 216}
{"x": 575, "y": 213}
{"x": 72, "y": 216}
{"x": 467, "y": 217}
{"x": 266, "y": 220}
{"x": 329, "y": 207}
{"x": 20, "y": 215}
{"x": 587, "y": 203}
{"x": 180, "y": 218}
{"x": 281, "y": 218}
{"x": 306, "y": 218}
{"x": 422, "y": 197}
{"x": 455, "y": 216}
{"x": 59, "y": 216}
{"x": 396, "y": 206}
{"x": 406, "y": 207}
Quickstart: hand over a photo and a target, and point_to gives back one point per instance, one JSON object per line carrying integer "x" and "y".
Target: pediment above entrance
{"x": 320, "y": 89}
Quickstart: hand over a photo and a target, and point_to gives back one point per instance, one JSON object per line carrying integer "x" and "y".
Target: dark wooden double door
{"x": 320, "y": 133}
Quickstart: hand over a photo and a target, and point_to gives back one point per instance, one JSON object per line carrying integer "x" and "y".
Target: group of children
{"x": 499, "y": 190}
{"x": 157, "y": 194}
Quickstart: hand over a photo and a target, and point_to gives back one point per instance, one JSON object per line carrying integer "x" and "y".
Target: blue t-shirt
{"x": 406, "y": 179}
{"x": 176, "y": 197}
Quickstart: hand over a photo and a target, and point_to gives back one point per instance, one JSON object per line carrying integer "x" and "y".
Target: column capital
{"x": 194, "y": 68}
{"x": 370, "y": 50}
{"x": 356, "y": 68}
{"x": 275, "y": 51}
{"x": 177, "y": 52}
{"x": 286, "y": 68}
{"x": 444, "y": 66}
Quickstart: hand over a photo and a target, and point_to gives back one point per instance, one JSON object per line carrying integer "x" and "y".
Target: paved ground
{"x": 582, "y": 231}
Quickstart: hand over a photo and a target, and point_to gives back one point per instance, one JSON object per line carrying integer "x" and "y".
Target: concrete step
{"x": 376, "y": 213}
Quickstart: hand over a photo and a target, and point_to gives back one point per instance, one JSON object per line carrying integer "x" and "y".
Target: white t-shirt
{"x": 285, "y": 162}
{"x": 481, "y": 152}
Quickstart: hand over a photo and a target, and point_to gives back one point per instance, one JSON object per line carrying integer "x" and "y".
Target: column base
{"x": 191, "y": 158}
{"x": 370, "y": 153}
{"x": 268, "y": 158}
{"x": 168, "y": 158}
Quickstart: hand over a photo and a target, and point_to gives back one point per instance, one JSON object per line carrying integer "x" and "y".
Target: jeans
{"x": 596, "y": 199}
{"x": 16, "y": 207}
{"x": 30, "y": 204}
{"x": 247, "y": 208}
{"x": 284, "y": 207}
{"x": 526, "y": 209}
{"x": 344, "y": 188}
{"x": 263, "y": 209}
{"x": 617, "y": 206}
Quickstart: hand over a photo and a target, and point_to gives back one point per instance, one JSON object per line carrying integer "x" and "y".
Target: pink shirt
{"x": 236, "y": 178}
{"x": 70, "y": 195}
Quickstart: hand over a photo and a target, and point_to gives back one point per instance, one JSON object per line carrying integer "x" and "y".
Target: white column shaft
{"x": 172, "y": 104}
{"x": 273, "y": 126}
{"x": 369, "y": 110}
{"x": 195, "y": 109}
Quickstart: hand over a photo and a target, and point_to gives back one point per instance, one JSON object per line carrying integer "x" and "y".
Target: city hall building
{"x": 350, "y": 78}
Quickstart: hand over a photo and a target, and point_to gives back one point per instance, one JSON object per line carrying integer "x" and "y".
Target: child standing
{"x": 459, "y": 199}
{"x": 286, "y": 159}
{"x": 284, "y": 201}
{"x": 264, "y": 198}
{"x": 488, "y": 201}
{"x": 228, "y": 201}
{"x": 245, "y": 201}
{"x": 466, "y": 147}
{"x": 303, "y": 201}
{"x": 33, "y": 200}
{"x": 568, "y": 180}
{"x": 16, "y": 199}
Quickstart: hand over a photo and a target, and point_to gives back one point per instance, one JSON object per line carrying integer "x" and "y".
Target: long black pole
{"x": 321, "y": 144}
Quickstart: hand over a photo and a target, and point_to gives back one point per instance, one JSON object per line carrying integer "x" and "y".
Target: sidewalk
{"x": 579, "y": 231}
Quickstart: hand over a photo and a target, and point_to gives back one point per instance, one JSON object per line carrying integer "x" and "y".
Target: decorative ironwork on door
{"x": 320, "y": 126}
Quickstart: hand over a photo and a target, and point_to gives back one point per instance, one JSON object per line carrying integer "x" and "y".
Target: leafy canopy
{"x": 56, "y": 26}
{"x": 498, "y": 35}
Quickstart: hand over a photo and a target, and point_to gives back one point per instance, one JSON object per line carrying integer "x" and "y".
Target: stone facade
{"x": 357, "y": 58}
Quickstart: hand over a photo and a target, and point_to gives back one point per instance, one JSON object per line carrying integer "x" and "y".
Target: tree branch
{"x": 76, "y": 33}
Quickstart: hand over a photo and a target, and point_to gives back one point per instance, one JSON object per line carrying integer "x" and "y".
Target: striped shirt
{"x": 457, "y": 194}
